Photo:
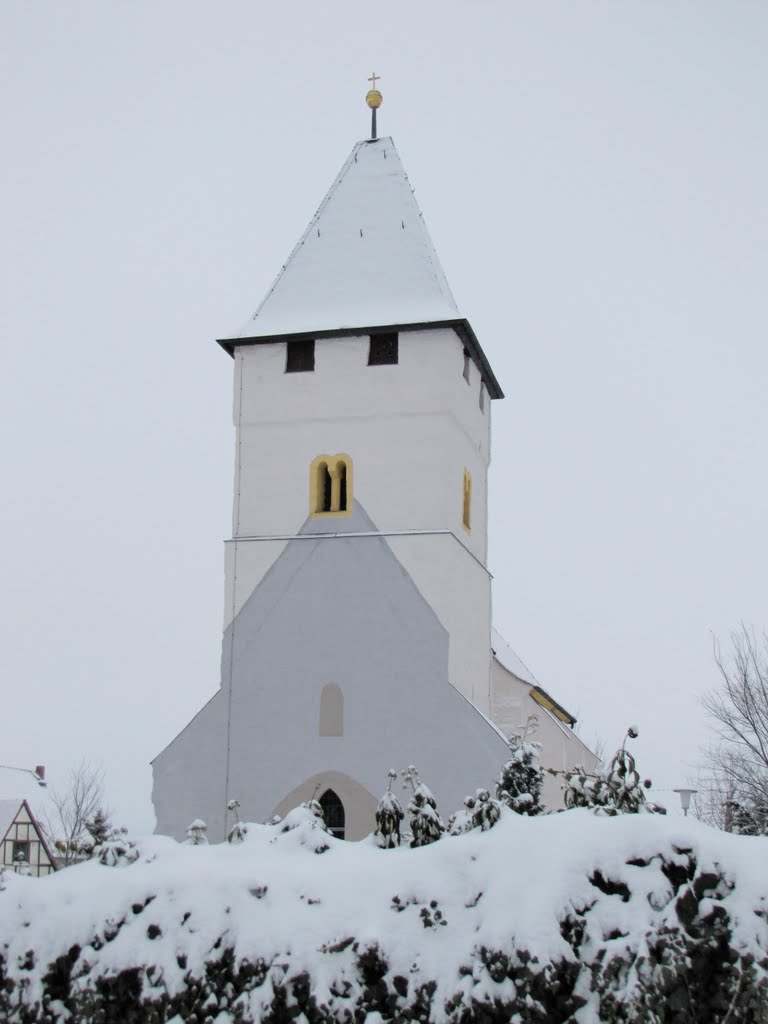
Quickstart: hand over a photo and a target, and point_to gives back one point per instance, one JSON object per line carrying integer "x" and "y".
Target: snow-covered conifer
{"x": 747, "y": 820}
{"x": 196, "y": 833}
{"x": 116, "y": 850}
{"x": 613, "y": 788}
{"x": 463, "y": 820}
{"x": 586, "y": 789}
{"x": 99, "y": 827}
{"x": 519, "y": 786}
{"x": 486, "y": 811}
{"x": 479, "y": 811}
{"x": 426, "y": 825}
{"x": 389, "y": 814}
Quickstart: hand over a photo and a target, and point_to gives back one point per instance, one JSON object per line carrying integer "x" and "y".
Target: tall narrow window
{"x": 330, "y": 485}
{"x": 466, "y": 513}
{"x": 331, "y": 711}
{"x": 481, "y": 400}
{"x": 383, "y": 349}
{"x": 325, "y": 487}
{"x": 466, "y": 366}
{"x": 300, "y": 356}
{"x": 333, "y": 812}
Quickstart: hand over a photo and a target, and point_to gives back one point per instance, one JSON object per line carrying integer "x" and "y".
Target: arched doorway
{"x": 333, "y": 812}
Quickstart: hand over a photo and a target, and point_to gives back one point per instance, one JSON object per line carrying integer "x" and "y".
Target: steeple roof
{"x": 365, "y": 260}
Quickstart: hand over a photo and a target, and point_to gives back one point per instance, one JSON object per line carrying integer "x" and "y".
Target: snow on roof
{"x": 510, "y": 661}
{"x": 365, "y": 260}
{"x": 8, "y": 811}
{"x": 17, "y": 784}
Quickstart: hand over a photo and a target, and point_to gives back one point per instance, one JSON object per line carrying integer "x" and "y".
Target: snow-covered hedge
{"x": 566, "y": 917}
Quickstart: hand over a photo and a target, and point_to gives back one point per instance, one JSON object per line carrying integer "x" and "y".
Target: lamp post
{"x": 38, "y": 774}
{"x": 685, "y": 798}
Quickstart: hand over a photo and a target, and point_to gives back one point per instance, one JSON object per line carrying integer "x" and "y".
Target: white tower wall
{"x": 411, "y": 430}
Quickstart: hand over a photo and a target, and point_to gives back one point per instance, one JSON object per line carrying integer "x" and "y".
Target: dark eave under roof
{"x": 461, "y": 326}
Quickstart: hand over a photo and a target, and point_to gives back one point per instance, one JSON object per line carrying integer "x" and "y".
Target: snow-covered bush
{"x": 556, "y": 919}
{"x": 519, "y": 786}
{"x": 426, "y": 824}
{"x": 196, "y": 833}
{"x": 239, "y": 830}
{"x": 613, "y": 788}
{"x": 480, "y": 811}
{"x": 308, "y": 823}
{"x": 747, "y": 820}
{"x": 116, "y": 849}
{"x": 389, "y": 814}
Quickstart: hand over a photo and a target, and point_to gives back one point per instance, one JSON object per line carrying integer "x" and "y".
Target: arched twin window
{"x": 330, "y": 485}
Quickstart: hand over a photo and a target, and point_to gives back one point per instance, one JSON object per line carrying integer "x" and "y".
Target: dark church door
{"x": 333, "y": 812}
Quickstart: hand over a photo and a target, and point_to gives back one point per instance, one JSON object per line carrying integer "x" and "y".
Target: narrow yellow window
{"x": 466, "y": 514}
{"x": 330, "y": 485}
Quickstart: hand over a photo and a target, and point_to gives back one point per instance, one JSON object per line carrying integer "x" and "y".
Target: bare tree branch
{"x": 735, "y": 779}
{"x": 74, "y": 807}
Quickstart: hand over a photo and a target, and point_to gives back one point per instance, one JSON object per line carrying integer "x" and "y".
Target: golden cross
{"x": 373, "y": 79}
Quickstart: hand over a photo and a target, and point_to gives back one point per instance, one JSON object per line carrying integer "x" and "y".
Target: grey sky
{"x": 594, "y": 178}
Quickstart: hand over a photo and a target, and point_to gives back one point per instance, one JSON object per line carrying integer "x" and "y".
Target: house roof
{"x": 366, "y": 261}
{"x": 8, "y": 811}
{"x": 511, "y": 661}
{"x": 17, "y": 784}
{"x": 515, "y": 664}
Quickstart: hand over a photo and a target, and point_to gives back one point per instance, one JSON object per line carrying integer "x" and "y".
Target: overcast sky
{"x": 593, "y": 175}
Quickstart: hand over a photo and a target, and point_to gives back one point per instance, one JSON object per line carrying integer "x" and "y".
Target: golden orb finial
{"x": 374, "y": 99}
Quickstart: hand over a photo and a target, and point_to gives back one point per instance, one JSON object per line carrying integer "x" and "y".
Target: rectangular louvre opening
{"x": 383, "y": 350}
{"x": 300, "y": 356}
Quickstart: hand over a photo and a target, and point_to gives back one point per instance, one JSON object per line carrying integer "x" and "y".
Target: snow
{"x": 8, "y": 811}
{"x": 18, "y": 784}
{"x": 510, "y": 661}
{"x": 365, "y": 260}
{"x": 291, "y": 896}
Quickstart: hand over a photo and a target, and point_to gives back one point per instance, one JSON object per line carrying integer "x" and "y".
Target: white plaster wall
{"x": 453, "y": 582}
{"x": 410, "y": 429}
{"x": 339, "y": 610}
{"x": 458, "y": 588}
{"x": 511, "y": 706}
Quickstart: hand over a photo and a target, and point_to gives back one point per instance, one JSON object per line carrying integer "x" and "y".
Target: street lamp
{"x": 38, "y": 774}
{"x": 685, "y": 798}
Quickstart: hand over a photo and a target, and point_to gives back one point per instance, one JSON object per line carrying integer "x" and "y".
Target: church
{"x": 358, "y": 633}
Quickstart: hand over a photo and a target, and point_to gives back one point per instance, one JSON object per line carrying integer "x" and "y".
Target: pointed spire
{"x": 365, "y": 260}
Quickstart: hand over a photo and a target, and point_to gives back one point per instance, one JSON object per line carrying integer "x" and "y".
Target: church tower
{"x": 357, "y": 597}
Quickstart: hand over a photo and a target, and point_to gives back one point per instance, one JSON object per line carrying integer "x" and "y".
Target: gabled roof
{"x": 8, "y": 811}
{"x": 19, "y": 784}
{"x": 365, "y": 260}
{"x": 513, "y": 663}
